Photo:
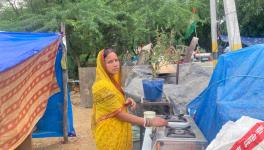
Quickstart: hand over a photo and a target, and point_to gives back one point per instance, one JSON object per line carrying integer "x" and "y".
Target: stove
{"x": 181, "y": 134}
{"x": 174, "y": 118}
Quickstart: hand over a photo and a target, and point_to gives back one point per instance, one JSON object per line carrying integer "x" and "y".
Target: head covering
{"x": 108, "y": 101}
{"x": 102, "y": 74}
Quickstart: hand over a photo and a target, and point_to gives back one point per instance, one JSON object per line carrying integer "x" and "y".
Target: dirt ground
{"x": 83, "y": 139}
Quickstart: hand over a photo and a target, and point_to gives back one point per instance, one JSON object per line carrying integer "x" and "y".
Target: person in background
{"x": 111, "y": 122}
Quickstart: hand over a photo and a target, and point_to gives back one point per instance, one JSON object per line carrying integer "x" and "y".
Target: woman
{"x": 111, "y": 122}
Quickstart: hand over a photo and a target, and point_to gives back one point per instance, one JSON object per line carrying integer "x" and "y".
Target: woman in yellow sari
{"x": 111, "y": 122}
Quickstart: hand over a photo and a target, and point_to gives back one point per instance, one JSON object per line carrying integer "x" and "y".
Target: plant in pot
{"x": 153, "y": 88}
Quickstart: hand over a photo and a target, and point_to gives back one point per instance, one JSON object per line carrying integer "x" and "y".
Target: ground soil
{"x": 83, "y": 139}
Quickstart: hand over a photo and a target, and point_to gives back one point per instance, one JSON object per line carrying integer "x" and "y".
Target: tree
{"x": 250, "y": 17}
{"x": 95, "y": 24}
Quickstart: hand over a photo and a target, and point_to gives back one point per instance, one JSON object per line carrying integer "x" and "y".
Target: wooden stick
{"x": 65, "y": 81}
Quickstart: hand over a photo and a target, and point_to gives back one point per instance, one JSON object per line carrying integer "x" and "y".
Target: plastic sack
{"x": 240, "y": 135}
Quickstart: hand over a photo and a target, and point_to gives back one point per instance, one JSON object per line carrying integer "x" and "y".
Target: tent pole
{"x": 65, "y": 81}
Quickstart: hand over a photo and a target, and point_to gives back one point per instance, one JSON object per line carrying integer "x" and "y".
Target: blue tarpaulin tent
{"x": 245, "y": 40}
{"x": 15, "y": 48}
{"x": 236, "y": 89}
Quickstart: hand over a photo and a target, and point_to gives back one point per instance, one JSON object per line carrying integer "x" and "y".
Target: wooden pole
{"x": 65, "y": 81}
{"x": 27, "y": 143}
{"x": 177, "y": 73}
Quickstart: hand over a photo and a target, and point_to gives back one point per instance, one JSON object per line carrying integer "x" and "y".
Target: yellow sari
{"x": 109, "y": 132}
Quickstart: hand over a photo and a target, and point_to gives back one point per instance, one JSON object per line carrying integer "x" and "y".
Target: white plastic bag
{"x": 236, "y": 135}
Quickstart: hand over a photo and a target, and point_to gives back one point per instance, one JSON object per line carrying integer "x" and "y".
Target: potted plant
{"x": 159, "y": 57}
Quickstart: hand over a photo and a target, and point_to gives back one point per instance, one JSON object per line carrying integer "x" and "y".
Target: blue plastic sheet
{"x": 246, "y": 40}
{"x": 17, "y": 47}
{"x": 236, "y": 89}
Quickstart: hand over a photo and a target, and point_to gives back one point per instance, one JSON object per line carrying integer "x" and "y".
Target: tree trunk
{"x": 74, "y": 54}
{"x": 14, "y": 7}
{"x": 31, "y": 5}
{"x": 87, "y": 59}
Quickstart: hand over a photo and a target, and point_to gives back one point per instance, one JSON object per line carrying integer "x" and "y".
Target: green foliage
{"x": 92, "y": 25}
{"x": 250, "y": 17}
{"x": 160, "y": 54}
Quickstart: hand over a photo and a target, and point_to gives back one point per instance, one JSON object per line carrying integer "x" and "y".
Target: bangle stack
{"x": 147, "y": 122}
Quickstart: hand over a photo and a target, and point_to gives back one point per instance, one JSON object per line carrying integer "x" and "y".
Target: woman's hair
{"x": 107, "y": 51}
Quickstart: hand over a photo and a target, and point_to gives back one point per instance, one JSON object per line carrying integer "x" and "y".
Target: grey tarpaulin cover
{"x": 193, "y": 78}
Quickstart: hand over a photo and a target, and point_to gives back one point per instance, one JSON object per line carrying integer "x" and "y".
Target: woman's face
{"x": 112, "y": 63}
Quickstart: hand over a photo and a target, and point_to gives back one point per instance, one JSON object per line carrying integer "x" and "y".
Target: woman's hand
{"x": 130, "y": 102}
{"x": 158, "y": 122}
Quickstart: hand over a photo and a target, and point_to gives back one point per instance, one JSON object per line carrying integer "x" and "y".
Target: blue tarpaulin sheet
{"x": 246, "y": 40}
{"x": 236, "y": 89}
{"x": 15, "y": 48}
{"x": 18, "y": 47}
